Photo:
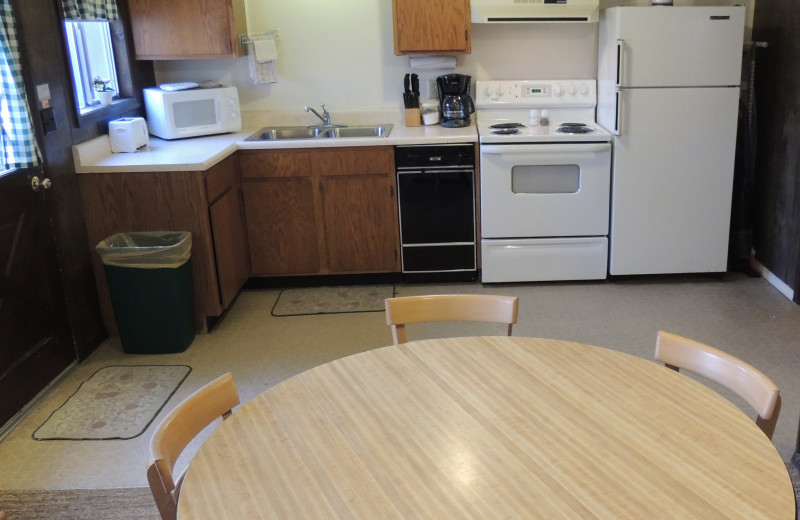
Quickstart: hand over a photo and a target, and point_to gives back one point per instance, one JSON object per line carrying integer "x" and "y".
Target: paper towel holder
{"x": 432, "y": 62}
{"x": 245, "y": 39}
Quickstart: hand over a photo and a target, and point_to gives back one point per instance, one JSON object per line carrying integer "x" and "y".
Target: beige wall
{"x": 341, "y": 54}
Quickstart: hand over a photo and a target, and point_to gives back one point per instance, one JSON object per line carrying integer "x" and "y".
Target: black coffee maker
{"x": 454, "y": 100}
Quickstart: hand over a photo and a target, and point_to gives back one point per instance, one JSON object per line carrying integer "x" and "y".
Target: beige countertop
{"x": 200, "y": 153}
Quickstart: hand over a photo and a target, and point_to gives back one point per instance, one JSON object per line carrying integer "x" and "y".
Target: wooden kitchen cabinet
{"x": 425, "y": 27}
{"x": 321, "y": 211}
{"x": 280, "y": 210}
{"x": 226, "y": 213}
{"x": 359, "y": 206}
{"x": 207, "y": 204}
{"x": 187, "y": 29}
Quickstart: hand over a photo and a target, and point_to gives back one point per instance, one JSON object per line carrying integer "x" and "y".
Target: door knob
{"x": 37, "y": 184}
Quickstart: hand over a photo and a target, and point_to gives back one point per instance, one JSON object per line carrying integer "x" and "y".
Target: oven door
{"x": 545, "y": 190}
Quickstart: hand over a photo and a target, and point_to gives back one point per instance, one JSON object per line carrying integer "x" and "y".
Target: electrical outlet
{"x": 433, "y": 89}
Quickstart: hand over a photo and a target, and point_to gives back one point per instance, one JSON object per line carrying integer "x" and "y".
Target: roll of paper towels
{"x": 432, "y": 62}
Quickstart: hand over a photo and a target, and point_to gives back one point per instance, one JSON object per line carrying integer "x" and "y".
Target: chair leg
{"x": 164, "y": 502}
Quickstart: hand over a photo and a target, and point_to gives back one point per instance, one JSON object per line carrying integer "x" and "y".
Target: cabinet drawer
{"x": 277, "y": 163}
{"x": 357, "y": 161}
{"x": 220, "y": 178}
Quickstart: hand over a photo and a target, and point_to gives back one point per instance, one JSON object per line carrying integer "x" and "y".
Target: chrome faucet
{"x": 326, "y": 117}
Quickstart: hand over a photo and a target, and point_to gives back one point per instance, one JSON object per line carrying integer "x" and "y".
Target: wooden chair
{"x": 178, "y": 428}
{"x": 449, "y": 307}
{"x": 734, "y": 374}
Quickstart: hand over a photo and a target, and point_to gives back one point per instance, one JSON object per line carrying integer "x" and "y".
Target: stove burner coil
{"x": 574, "y": 128}
{"x": 504, "y": 126}
{"x": 505, "y": 131}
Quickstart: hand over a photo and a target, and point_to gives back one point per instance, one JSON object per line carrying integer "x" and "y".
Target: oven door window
{"x": 546, "y": 178}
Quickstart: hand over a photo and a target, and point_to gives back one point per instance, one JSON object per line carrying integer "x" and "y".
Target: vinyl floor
{"x": 744, "y": 316}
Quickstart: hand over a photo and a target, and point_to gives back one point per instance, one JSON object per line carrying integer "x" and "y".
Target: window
{"x": 91, "y": 55}
{"x": 18, "y": 147}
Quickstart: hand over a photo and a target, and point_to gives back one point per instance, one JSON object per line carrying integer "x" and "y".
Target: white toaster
{"x": 128, "y": 134}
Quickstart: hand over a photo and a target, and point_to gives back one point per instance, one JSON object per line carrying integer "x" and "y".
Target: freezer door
{"x": 677, "y": 46}
{"x": 672, "y": 181}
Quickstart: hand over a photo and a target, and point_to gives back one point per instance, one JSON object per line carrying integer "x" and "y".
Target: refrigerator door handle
{"x": 618, "y": 113}
{"x": 620, "y": 44}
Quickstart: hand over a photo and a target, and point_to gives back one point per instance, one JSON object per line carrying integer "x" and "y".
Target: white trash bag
{"x": 146, "y": 249}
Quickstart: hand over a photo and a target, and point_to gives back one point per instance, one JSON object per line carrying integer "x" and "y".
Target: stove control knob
{"x": 584, "y": 90}
{"x": 572, "y": 90}
{"x": 500, "y": 91}
{"x": 487, "y": 91}
{"x": 558, "y": 90}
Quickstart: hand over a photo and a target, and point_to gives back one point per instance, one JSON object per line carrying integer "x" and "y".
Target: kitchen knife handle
{"x": 620, "y": 45}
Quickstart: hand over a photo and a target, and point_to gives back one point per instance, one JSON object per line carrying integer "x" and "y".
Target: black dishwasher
{"x": 436, "y": 199}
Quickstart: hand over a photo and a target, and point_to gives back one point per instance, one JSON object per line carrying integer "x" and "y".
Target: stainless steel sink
{"x": 359, "y": 131}
{"x": 287, "y": 132}
{"x": 314, "y": 132}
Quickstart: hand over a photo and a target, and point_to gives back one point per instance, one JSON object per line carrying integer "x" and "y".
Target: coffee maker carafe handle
{"x": 469, "y": 105}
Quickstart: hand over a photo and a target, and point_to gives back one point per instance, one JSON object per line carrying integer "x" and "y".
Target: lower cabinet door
{"x": 361, "y": 233}
{"x": 230, "y": 244}
{"x": 281, "y": 226}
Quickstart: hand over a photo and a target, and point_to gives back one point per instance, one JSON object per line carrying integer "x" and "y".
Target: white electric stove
{"x": 545, "y": 188}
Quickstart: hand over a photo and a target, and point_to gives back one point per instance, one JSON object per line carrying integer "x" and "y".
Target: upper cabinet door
{"x": 187, "y": 29}
{"x": 426, "y": 27}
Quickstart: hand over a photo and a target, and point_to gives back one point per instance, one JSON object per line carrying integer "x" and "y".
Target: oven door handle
{"x": 510, "y": 149}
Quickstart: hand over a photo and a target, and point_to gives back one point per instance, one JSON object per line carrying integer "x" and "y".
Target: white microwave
{"x": 190, "y": 113}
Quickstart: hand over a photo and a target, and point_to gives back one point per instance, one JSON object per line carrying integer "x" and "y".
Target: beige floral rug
{"x": 332, "y": 300}
{"x": 116, "y": 402}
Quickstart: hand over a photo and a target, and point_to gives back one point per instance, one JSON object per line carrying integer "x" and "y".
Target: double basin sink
{"x": 282, "y": 133}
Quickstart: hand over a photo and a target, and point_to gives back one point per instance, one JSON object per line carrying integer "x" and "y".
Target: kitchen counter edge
{"x": 201, "y": 153}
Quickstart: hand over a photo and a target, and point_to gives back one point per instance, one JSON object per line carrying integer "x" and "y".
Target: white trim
{"x": 775, "y": 281}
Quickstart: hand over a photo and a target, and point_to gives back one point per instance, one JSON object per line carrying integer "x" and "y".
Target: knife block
{"x": 413, "y": 117}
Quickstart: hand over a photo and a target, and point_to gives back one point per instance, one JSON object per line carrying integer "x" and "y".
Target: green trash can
{"x": 149, "y": 278}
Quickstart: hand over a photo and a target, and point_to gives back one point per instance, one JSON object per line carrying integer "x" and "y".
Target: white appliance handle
{"x": 511, "y": 149}
{"x": 620, "y": 44}
{"x": 618, "y": 112}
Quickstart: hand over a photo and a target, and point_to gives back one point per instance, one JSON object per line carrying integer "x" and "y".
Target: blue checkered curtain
{"x": 91, "y": 9}
{"x": 18, "y": 140}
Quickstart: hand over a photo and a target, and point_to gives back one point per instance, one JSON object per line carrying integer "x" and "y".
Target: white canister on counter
{"x": 430, "y": 112}
{"x": 533, "y": 117}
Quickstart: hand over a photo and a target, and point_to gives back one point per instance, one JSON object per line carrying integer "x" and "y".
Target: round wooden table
{"x": 488, "y": 427}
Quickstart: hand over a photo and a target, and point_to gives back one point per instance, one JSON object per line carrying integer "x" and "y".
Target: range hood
{"x": 535, "y": 11}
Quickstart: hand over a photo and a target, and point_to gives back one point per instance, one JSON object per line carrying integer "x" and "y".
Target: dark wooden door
{"x": 34, "y": 333}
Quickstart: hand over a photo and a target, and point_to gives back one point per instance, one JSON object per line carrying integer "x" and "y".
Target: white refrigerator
{"x": 668, "y": 89}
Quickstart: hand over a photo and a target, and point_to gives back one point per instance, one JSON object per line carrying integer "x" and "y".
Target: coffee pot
{"x": 456, "y": 104}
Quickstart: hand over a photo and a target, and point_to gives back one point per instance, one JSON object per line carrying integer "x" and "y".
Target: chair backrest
{"x": 449, "y": 307}
{"x": 177, "y": 429}
{"x": 746, "y": 381}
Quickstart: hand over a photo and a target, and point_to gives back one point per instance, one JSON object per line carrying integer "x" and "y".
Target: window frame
{"x": 128, "y": 98}
{"x": 78, "y": 41}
